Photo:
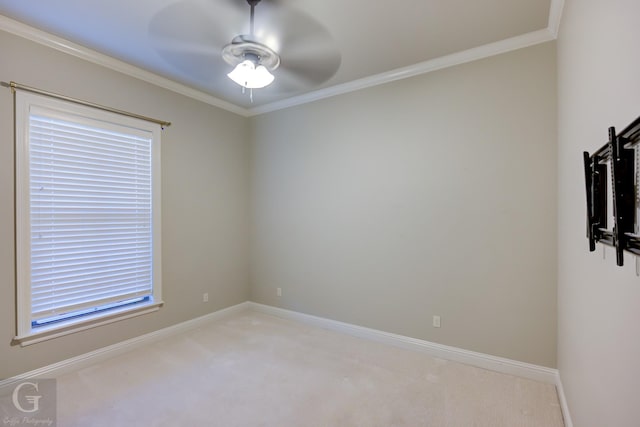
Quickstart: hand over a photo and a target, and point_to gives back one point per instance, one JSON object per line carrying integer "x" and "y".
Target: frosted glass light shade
{"x": 246, "y": 74}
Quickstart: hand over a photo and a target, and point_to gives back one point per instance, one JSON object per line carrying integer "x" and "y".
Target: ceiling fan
{"x": 284, "y": 50}
{"x": 253, "y": 61}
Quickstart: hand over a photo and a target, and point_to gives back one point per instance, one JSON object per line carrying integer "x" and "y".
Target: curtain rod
{"x": 17, "y": 86}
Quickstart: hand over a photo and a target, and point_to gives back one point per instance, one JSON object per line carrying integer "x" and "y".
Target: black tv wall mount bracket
{"x": 618, "y": 158}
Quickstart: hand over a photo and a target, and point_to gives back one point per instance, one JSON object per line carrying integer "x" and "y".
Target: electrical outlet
{"x": 436, "y": 321}
{"x": 205, "y": 297}
{"x": 279, "y": 292}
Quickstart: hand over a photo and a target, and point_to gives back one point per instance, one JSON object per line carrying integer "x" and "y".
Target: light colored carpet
{"x": 253, "y": 369}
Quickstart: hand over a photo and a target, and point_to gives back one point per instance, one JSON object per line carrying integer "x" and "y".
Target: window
{"x": 87, "y": 217}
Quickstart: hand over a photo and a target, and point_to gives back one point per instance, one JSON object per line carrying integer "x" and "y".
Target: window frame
{"x": 25, "y": 102}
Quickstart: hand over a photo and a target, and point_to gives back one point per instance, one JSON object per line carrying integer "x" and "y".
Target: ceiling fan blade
{"x": 196, "y": 48}
{"x": 309, "y": 55}
{"x": 191, "y": 34}
{"x": 196, "y": 20}
{"x": 197, "y": 63}
{"x": 265, "y": 10}
{"x": 296, "y": 76}
{"x": 301, "y": 68}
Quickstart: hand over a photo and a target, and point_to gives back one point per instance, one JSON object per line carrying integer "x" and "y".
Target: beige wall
{"x": 599, "y": 303}
{"x": 205, "y": 180}
{"x": 383, "y": 207}
{"x": 434, "y": 195}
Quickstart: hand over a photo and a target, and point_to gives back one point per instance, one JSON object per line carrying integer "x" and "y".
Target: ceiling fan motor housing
{"x": 243, "y": 48}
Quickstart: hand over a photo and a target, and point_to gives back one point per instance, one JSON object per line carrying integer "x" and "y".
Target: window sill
{"x": 71, "y": 327}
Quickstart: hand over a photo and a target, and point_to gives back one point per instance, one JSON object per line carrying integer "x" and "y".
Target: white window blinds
{"x": 88, "y": 214}
{"x": 91, "y": 229}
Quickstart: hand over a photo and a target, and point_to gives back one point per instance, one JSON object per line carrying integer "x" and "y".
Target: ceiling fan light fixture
{"x": 253, "y": 62}
{"x": 251, "y": 76}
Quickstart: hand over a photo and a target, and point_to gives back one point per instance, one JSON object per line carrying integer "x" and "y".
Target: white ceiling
{"x": 367, "y": 42}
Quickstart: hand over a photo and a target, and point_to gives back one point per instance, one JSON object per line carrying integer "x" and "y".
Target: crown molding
{"x": 555, "y": 16}
{"x": 525, "y": 40}
{"x": 485, "y": 51}
{"x": 41, "y": 37}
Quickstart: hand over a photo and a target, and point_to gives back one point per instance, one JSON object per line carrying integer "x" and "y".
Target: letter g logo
{"x": 33, "y": 400}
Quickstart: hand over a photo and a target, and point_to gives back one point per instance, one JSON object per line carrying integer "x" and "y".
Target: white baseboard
{"x": 481, "y": 360}
{"x": 108, "y": 352}
{"x": 563, "y": 402}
